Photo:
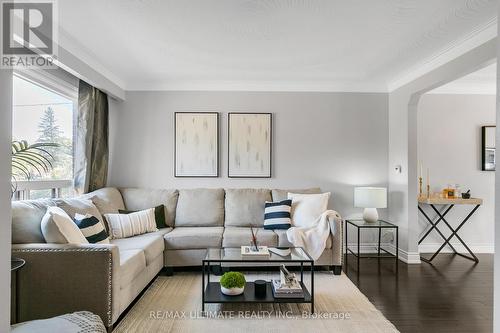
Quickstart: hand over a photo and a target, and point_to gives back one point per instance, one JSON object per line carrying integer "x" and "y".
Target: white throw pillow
{"x": 58, "y": 227}
{"x": 306, "y": 208}
{"x": 132, "y": 224}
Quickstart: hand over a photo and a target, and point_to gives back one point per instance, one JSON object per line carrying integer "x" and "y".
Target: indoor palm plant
{"x": 30, "y": 161}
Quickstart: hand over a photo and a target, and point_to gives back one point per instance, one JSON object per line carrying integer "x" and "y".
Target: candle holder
{"x": 420, "y": 186}
{"x": 428, "y": 191}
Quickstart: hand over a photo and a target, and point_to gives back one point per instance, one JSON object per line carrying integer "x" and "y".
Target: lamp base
{"x": 370, "y": 215}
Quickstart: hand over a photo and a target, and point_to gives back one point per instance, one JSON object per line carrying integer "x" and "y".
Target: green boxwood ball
{"x": 232, "y": 280}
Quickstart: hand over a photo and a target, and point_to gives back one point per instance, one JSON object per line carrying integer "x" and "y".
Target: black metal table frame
{"x": 454, "y": 232}
{"x": 205, "y": 271}
{"x": 379, "y": 248}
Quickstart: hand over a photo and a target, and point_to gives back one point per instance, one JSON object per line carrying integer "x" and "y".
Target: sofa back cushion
{"x": 245, "y": 207}
{"x": 26, "y": 218}
{"x": 108, "y": 200}
{"x": 280, "y": 195}
{"x": 79, "y": 205}
{"x": 200, "y": 208}
{"x": 139, "y": 199}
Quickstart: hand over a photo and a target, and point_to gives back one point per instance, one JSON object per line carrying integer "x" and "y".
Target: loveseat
{"x": 106, "y": 278}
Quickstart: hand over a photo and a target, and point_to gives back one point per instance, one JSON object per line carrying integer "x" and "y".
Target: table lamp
{"x": 370, "y": 198}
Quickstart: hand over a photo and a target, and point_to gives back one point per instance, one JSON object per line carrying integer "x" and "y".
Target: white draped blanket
{"x": 313, "y": 239}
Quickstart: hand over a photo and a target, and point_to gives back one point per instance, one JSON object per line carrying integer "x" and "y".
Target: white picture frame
{"x": 249, "y": 145}
{"x": 196, "y": 141}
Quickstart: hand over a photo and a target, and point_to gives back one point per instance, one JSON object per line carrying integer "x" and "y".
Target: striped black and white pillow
{"x": 128, "y": 225}
{"x": 92, "y": 229}
{"x": 277, "y": 214}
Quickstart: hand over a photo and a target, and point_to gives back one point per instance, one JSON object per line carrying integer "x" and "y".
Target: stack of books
{"x": 250, "y": 252}
{"x": 290, "y": 290}
{"x": 288, "y": 286}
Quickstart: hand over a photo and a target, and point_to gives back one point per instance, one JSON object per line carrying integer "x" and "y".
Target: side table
{"x": 380, "y": 224}
{"x": 15, "y": 265}
{"x": 448, "y": 205}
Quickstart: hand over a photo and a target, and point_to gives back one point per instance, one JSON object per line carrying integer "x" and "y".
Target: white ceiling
{"x": 481, "y": 82}
{"x": 354, "y": 45}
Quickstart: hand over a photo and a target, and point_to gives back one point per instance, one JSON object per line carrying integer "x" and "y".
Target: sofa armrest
{"x": 336, "y": 227}
{"x": 64, "y": 278}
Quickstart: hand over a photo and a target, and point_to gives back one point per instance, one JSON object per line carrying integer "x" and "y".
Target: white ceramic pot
{"x": 232, "y": 291}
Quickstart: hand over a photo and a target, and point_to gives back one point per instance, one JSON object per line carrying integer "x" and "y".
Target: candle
{"x": 421, "y": 173}
{"x": 428, "y": 178}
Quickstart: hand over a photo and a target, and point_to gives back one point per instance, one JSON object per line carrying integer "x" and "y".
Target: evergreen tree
{"x": 48, "y": 129}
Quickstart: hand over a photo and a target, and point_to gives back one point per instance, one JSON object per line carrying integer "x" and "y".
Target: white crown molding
{"x": 465, "y": 89}
{"x": 267, "y": 86}
{"x": 72, "y": 45}
{"x": 472, "y": 40}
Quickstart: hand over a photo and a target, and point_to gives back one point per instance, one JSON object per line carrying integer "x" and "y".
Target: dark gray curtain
{"x": 91, "y": 140}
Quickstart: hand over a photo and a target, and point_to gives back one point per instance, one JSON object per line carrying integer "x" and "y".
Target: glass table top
{"x": 378, "y": 224}
{"x": 233, "y": 254}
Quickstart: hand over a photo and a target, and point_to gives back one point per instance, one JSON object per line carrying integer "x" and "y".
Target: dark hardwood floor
{"x": 451, "y": 295}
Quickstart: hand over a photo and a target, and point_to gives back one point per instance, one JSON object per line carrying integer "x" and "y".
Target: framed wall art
{"x": 196, "y": 141}
{"x": 249, "y": 145}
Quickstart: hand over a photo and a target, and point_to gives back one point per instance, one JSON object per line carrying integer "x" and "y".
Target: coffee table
{"x": 211, "y": 292}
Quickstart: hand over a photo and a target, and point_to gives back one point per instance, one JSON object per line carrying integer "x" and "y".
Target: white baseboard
{"x": 406, "y": 257}
{"x": 414, "y": 257}
{"x": 476, "y": 248}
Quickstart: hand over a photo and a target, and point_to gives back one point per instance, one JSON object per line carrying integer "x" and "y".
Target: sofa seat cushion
{"x": 151, "y": 243}
{"x": 194, "y": 238}
{"x": 200, "y": 207}
{"x": 283, "y": 239}
{"x": 245, "y": 207}
{"x": 132, "y": 263}
{"x": 238, "y": 236}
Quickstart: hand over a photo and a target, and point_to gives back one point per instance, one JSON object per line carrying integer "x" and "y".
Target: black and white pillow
{"x": 92, "y": 229}
{"x": 277, "y": 214}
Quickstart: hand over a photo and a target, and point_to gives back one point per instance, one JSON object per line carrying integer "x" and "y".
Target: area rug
{"x": 173, "y": 304}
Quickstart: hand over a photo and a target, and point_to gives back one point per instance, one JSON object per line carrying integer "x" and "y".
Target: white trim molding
{"x": 476, "y": 248}
{"x": 406, "y": 257}
{"x": 478, "y": 37}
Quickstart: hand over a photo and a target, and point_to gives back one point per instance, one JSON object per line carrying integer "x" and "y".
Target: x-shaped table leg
{"x": 454, "y": 232}
{"x": 434, "y": 226}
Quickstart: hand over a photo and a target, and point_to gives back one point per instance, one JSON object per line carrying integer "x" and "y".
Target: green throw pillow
{"x": 159, "y": 215}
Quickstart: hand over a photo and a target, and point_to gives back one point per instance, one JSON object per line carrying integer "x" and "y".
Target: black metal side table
{"x": 15, "y": 265}
{"x": 380, "y": 224}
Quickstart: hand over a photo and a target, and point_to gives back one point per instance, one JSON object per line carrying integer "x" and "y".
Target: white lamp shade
{"x": 370, "y": 197}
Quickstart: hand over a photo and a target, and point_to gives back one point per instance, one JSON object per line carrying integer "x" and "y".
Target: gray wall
{"x": 331, "y": 140}
{"x": 5, "y": 214}
{"x": 449, "y": 143}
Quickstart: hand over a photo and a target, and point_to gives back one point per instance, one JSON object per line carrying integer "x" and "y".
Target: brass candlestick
{"x": 420, "y": 186}
{"x": 428, "y": 191}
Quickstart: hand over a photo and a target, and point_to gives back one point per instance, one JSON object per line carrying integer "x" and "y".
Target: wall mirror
{"x": 488, "y": 148}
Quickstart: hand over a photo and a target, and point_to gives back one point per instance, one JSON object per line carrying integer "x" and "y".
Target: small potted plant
{"x": 232, "y": 283}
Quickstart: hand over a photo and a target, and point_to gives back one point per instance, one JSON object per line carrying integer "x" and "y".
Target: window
{"x": 43, "y": 112}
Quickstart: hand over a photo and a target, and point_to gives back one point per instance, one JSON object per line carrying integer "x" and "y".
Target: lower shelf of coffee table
{"x": 214, "y": 295}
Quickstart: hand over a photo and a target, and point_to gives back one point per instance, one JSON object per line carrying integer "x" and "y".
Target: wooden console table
{"x": 449, "y": 204}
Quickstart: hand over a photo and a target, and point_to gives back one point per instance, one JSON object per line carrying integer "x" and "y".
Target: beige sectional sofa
{"x": 106, "y": 278}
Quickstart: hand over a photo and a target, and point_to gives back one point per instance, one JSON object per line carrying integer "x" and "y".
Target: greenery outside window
{"x": 44, "y": 108}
